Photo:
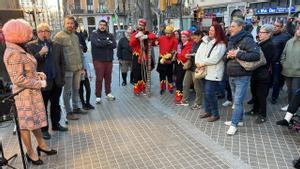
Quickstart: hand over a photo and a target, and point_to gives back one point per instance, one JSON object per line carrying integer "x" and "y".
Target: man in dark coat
{"x": 103, "y": 43}
{"x": 51, "y": 62}
{"x": 3, "y": 72}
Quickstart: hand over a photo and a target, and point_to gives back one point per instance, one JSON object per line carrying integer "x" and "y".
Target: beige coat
{"x": 21, "y": 68}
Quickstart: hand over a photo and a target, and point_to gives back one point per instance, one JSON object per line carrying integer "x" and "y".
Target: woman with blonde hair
{"x": 21, "y": 67}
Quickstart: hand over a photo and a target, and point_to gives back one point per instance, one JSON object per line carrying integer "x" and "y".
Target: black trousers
{"x": 260, "y": 90}
{"x": 137, "y": 70}
{"x": 166, "y": 70}
{"x": 295, "y": 103}
{"x": 53, "y": 96}
{"x": 85, "y": 84}
{"x": 179, "y": 72}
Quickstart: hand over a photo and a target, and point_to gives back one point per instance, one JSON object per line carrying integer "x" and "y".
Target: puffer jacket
{"x": 103, "y": 43}
{"x": 290, "y": 58}
{"x": 214, "y": 63}
{"x": 249, "y": 51}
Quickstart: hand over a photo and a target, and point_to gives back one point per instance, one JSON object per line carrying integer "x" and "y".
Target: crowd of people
{"x": 213, "y": 63}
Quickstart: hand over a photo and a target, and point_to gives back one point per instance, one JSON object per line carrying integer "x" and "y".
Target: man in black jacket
{"x": 240, "y": 46}
{"x": 50, "y": 59}
{"x": 279, "y": 40}
{"x": 103, "y": 44}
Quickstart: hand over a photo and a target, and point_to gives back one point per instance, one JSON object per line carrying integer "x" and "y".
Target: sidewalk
{"x": 152, "y": 133}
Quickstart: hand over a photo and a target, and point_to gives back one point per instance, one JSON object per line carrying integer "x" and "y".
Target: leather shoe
{"x": 59, "y": 128}
{"x": 213, "y": 118}
{"x": 46, "y": 135}
{"x": 205, "y": 115}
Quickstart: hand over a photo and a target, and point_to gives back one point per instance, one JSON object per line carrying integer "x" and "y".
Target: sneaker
{"x": 196, "y": 107}
{"x": 260, "y": 119}
{"x": 110, "y": 97}
{"x": 227, "y": 103}
{"x": 79, "y": 111}
{"x": 284, "y": 108}
{"x": 98, "y": 100}
{"x": 233, "y": 106}
{"x": 182, "y": 103}
{"x": 124, "y": 83}
{"x": 283, "y": 122}
{"x": 228, "y": 123}
{"x": 231, "y": 131}
{"x": 90, "y": 106}
{"x": 59, "y": 128}
{"x": 72, "y": 116}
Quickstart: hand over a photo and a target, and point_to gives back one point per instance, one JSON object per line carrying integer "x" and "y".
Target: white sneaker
{"x": 110, "y": 97}
{"x": 227, "y": 103}
{"x": 228, "y": 123}
{"x": 233, "y": 106}
{"x": 284, "y": 108}
{"x": 231, "y": 131}
{"x": 98, "y": 100}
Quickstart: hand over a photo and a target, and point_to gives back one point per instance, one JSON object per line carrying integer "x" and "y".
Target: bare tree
{"x": 147, "y": 14}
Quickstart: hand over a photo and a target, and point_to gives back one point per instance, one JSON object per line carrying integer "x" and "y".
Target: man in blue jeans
{"x": 241, "y": 46}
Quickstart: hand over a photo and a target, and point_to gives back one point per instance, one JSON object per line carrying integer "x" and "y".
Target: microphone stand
{"x": 13, "y": 110}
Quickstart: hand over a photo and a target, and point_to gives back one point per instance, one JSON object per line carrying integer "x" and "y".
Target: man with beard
{"x": 139, "y": 43}
{"x": 103, "y": 43}
{"x": 51, "y": 61}
{"x": 74, "y": 67}
{"x": 167, "y": 45}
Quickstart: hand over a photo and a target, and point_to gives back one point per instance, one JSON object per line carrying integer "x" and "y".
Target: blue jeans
{"x": 210, "y": 97}
{"x": 239, "y": 87}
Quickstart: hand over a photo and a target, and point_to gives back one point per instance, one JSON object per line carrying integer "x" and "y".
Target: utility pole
{"x": 290, "y": 8}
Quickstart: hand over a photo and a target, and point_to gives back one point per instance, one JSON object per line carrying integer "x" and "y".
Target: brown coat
{"x": 21, "y": 68}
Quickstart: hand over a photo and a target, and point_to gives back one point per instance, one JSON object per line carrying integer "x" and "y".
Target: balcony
{"x": 78, "y": 11}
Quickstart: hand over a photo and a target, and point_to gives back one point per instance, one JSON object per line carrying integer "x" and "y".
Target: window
{"x": 89, "y": 4}
{"x": 77, "y": 4}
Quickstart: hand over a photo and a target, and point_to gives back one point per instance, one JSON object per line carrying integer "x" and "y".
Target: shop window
{"x": 91, "y": 21}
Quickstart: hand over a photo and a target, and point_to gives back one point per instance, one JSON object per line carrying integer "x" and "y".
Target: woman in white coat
{"x": 209, "y": 55}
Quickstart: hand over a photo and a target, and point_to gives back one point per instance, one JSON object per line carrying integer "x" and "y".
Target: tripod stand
{"x": 13, "y": 111}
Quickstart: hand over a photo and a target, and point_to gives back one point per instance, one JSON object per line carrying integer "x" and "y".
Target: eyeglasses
{"x": 263, "y": 32}
{"x": 44, "y": 31}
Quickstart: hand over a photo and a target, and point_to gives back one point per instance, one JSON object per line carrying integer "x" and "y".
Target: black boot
{"x": 131, "y": 78}
{"x": 124, "y": 77}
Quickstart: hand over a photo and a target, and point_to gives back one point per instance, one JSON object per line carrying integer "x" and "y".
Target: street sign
{"x": 275, "y": 10}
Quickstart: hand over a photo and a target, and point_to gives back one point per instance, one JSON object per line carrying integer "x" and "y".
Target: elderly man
{"x": 241, "y": 45}
{"x": 139, "y": 43}
{"x": 74, "y": 67}
{"x": 103, "y": 43}
{"x": 51, "y": 61}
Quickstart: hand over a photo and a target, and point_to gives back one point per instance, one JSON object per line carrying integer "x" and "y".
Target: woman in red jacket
{"x": 181, "y": 59}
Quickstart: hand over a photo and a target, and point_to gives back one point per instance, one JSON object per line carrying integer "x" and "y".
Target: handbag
{"x": 249, "y": 66}
{"x": 200, "y": 73}
{"x": 187, "y": 64}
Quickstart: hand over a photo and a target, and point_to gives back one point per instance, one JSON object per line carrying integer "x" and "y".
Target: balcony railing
{"x": 78, "y": 11}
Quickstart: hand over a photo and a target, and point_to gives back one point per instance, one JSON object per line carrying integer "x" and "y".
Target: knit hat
{"x": 186, "y": 33}
{"x": 169, "y": 29}
{"x": 142, "y": 22}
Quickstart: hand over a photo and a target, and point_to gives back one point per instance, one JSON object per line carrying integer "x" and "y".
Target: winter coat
{"x": 81, "y": 38}
{"x": 57, "y": 53}
{"x": 186, "y": 49}
{"x": 214, "y": 63}
{"x": 21, "y": 67}
{"x": 279, "y": 41}
{"x": 71, "y": 48}
{"x": 290, "y": 59}
{"x": 124, "y": 51}
{"x": 103, "y": 45}
{"x": 3, "y": 72}
{"x": 195, "y": 47}
{"x": 249, "y": 51}
{"x": 263, "y": 73}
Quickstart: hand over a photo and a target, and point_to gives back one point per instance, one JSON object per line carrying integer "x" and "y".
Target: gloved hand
{"x": 139, "y": 34}
{"x": 144, "y": 37}
{"x": 43, "y": 83}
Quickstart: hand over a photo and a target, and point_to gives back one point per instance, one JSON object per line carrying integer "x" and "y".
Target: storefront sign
{"x": 275, "y": 10}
